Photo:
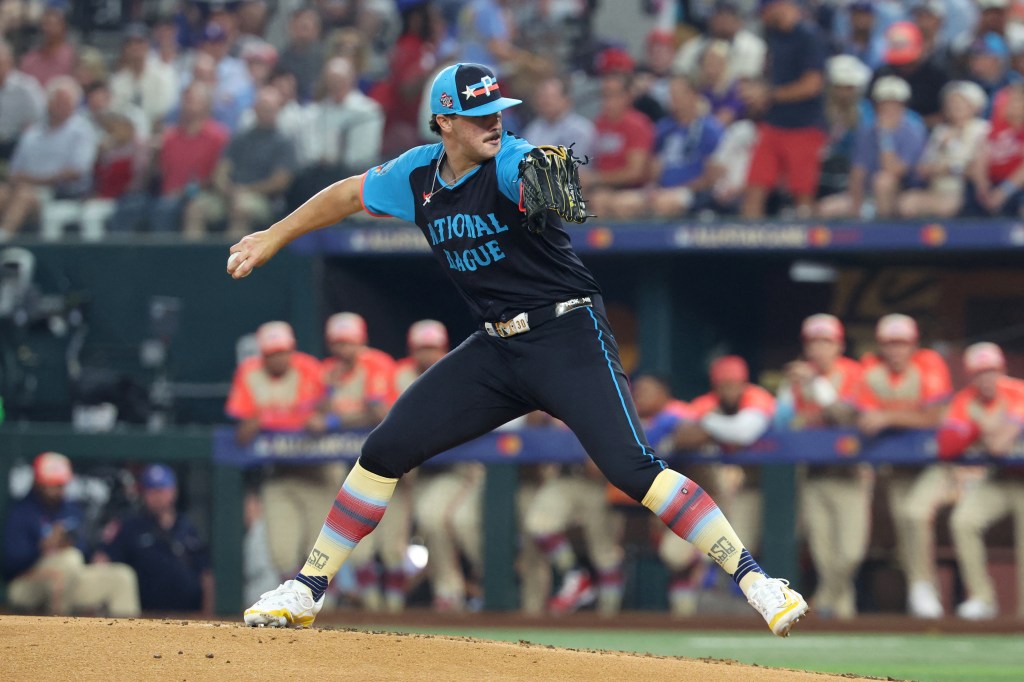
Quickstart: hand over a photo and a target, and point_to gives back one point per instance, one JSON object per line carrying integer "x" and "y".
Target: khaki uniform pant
{"x": 295, "y": 503}
{"x": 983, "y": 504}
{"x": 532, "y": 565}
{"x": 914, "y": 500}
{"x": 837, "y": 515}
{"x": 448, "y": 512}
{"x": 62, "y": 583}
{"x": 578, "y": 499}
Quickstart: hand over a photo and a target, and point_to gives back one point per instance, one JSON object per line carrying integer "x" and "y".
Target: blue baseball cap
{"x": 157, "y": 476}
{"x": 468, "y": 90}
{"x": 991, "y": 44}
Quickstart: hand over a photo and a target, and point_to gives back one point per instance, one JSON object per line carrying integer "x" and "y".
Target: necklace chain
{"x": 433, "y": 181}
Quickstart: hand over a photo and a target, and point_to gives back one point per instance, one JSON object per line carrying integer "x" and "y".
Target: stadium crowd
{"x": 201, "y": 115}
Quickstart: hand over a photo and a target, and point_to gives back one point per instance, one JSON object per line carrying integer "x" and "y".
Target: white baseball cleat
{"x": 291, "y": 603}
{"x": 977, "y": 609}
{"x": 781, "y": 606}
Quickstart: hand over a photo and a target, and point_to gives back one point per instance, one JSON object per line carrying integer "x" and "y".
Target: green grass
{"x": 923, "y": 658}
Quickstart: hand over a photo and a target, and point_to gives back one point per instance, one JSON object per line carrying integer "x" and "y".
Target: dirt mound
{"x": 101, "y": 649}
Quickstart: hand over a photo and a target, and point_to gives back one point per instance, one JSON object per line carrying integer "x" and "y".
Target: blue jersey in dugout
{"x": 475, "y": 230}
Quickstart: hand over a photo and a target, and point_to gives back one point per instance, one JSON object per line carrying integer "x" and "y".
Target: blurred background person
{"x": 846, "y": 110}
{"x": 45, "y": 553}
{"x": 950, "y": 151}
{"x": 820, "y": 391}
{"x": 747, "y": 49}
{"x": 22, "y": 101}
{"x": 907, "y": 58}
{"x": 885, "y": 155}
{"x": 989, "y": 414}
{"x": 716, "y": 84}
{"x": 907, "y": 387}
{"x": 556, "y": 122}
{"x": 163, "y": 547}
{"x": 54, "y": 55}
{"x": 303, "y": 54}
{"x": 996, "y": 173}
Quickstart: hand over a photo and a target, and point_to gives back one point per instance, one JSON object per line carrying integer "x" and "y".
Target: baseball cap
{"x": 260, "y": 51}
{"x": 614, "y": 60}
{"x": 349, "y": 327}
{"x": 427, "y": 334}
{"x": 970, "y": 91}
{"x": 729, "y": 368}
{"x": 275, "y": 337}
{"x": 896, "y": 327}
{"x": 52, "y": 468}
{"x": 991, "y": 44}
{"x": 890, "y": 89}
{"x": 845, "y": 69}
{"x": 157, "y": 476}
{"x": 822, "y": 326}
{"x": 984, "y": 356}
{"x": 468, "y": 90}
{"x": 903, "y": 43}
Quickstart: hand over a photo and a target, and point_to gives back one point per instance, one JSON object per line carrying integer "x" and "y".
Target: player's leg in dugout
{"x": 571, "y": 369}
{"x": 467, "y": 394}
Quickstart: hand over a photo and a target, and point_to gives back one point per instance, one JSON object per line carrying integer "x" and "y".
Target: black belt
{"x": 531, "y": 319}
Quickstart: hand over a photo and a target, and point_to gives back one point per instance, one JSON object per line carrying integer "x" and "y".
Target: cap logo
{"x": 446, "y": 101}
{"x": 484, "y": 87}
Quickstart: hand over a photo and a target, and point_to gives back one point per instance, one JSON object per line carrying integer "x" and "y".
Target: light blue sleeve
{"x": 385, "y": 188}
{"x": 513, "y": 149}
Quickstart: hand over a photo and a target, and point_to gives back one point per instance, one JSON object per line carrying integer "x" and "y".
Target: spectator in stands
{"x": 99, "y": 101}
{"x": 653, "y": 75}
{"x": 188, "y": 157}
{"x": 360, "y": 390}
{"x": 556, "y": 122}
{"x": 683, "y": 146}
{"x": 281, "y": 390}
{"x": 746, "y": 49}
{"x": 53, "y": 159}
{"x": 143, "y": 80}
{"x": 846, "y": 110}
{"x": 906, "y": 57}
{"x": 293, "y": 117}
{"x": 413, "y": 60}
{"x": 863, "y": 40}
{"x": 735, "y": 414}
{"x": 885, "y": 155}
{"x": 989, "y": 65}
{"x": 45, "y": 553}
{"x": 617, "y": 60}
{"x": 448, "y": 500}
{"x": 91, "y": 67}
{"x": 722, "y": 93}
{"x": 55, "y": 55}
{"x": 163, "y": 547}
{"x": 22, "y": 101}
{"x": 994, "y": 18}
{"x": 730, "y": 165}
{"x": 251, "y": 177}
{"x": 233, "y": 90}
{"x": 304, "y": 53}
{"x": 929, "y": 17}
{"x": 907, "y": 387}
{"x": 820, "y": 391}
{"x": 996, "y": 173}
{"x": 487, "y": 34}
{"x": 623, "y": 144}
{"x": 165, "y": 41}
{"x": 251, "y": 17}
{"x": 260, "y": 59}
{"x": 989, "y": 413}
{"x": 343, "y": 135}
{"x": 949, "y": 153}
{"x": 791, "y": 136}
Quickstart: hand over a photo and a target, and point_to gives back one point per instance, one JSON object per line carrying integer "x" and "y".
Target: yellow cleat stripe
{"x": 789, "y": 607}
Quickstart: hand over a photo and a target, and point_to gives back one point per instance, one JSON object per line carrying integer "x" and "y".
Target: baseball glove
{"x": 550, "y": 181}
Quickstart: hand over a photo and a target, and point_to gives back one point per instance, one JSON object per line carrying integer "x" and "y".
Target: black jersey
{"x": 475, "y": 230}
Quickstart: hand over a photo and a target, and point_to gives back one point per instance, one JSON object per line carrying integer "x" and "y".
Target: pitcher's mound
{"x": 102, "y": 649}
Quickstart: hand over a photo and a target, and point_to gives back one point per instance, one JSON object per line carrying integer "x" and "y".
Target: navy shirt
{"x": 791, "y": 54}
{"x": 475, "y": 230}
{"x": 684, "y": 150}
{"x": 28, "y": 522}
{"x": 168, "y": 562}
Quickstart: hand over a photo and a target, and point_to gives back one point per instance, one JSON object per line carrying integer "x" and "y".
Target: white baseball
{"x": 234, "y": 260}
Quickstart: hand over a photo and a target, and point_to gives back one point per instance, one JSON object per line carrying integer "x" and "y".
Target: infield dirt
{"x": 105, "y": 649}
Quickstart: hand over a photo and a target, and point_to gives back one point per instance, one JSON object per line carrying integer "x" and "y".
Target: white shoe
{"x": 976, "y": 609}
{"x": 923, "y": 601}
{"x": 781, "y": 606}
{"x": 291, "y": 603}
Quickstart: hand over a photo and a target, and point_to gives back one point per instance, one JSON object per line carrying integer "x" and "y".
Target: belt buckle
{"x": 520, "y": 324}
{"x": 572, "y": 304}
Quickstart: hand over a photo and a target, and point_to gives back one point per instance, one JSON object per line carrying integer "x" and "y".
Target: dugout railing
{"x": 778, "y": 453}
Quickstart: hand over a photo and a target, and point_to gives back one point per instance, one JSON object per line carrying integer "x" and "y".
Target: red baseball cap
{"x": 52, "y": 468}
{"x": 729, "y": 368}
{"x": 350, "y": 327}
{"x": 614, "y": 60}
{"x": 896, "y": 327}
{"x": 903, "y": 43}
{"x": 428, "y": 334}
{"x": 822, "y": 326}
{"x": 660, "y": 35}
{"x": 981, "y": 357}
{"x": 275, "y": 337}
